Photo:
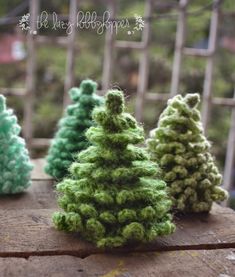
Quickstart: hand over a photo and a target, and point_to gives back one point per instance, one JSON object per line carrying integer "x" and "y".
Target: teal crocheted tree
{"x": 70, "y": 137}
{"x": 15, "y": 166}
{"x": 114, "y": 196}
{"x": 179, "y": 146}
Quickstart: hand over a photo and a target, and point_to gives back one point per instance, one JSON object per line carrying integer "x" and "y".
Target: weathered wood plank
{"x": 24, "y": 233}
{"x": 70, "y": 60}
{"x": 30, "y": 72}
{"x": 108, "y": 49}
{"x": 197, "y": 52}
{"x": 202, "y": 231}
{"x": 203, "y": 263}
{"x": 40, "y": 143}
{"x": 30, "y": 232}
{"x": 40, "y": 195}
{"x": 179, "y": 46}
{"x": 230, "y": 156}
{"x": 13, "y": 91}
{"x": 208, "y": 81}
{"x": 192, "y": 263}
{"x": 144, "y": 63}
{"x": 38, "y": 172}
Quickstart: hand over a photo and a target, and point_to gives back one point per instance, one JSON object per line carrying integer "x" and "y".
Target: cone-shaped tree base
{"x": 114, "y": 197}
{"x": 70, "y": 138}
{"x": 180, "y": 147}
{"x": 15, "y": 165}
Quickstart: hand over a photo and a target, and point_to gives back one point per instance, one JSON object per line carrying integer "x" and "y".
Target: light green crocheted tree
{"x": 15, "y": 166}
{"x": 70, "y": 137}
{"x": 182, "y": 151}
{"x": 114, "y": 196}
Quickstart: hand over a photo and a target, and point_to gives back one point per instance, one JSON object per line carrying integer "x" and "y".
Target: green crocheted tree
{"x": 15, "y": 166}
{"x": 182, "y": 150}
{"x": 70, "y": 137}
{"x": 114, "y": 197}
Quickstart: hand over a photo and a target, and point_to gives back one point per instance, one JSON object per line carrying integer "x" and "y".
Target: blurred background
{"x": 39, "y": 65}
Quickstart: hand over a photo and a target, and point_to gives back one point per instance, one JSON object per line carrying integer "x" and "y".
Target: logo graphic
{"x": 24, "y": 23}
{"x": 84, "y": 21}
{"x": 139, "y": 24}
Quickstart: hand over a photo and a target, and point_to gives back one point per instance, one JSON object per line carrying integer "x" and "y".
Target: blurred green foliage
{"x": 51, "y": 62}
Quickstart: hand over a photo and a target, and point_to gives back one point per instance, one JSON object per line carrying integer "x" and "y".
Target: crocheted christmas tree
{"x": 114, "y": 197}
{"x": 15, "y": 166}
{"x": 182, "y": 150}
{"x": 70, "y": 137}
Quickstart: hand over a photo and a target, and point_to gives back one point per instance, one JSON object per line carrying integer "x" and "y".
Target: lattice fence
{"x": 142, "y": 90}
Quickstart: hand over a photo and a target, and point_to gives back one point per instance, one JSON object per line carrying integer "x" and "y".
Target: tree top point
{"x": 88, "y": 86}
{"x": 115, "y": 101}
{"x": 192, "y": 99}
{"x": 2, "y": 103}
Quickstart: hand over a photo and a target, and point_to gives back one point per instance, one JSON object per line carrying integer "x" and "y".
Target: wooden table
{"x": 203, "y": 245}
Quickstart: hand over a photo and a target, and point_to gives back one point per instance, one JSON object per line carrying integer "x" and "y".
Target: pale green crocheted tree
{"x": 114, "y": 196}
{"x": 15, "y": 166}
{"x": 70, "y": 137}
{"x": 179, "y": 146}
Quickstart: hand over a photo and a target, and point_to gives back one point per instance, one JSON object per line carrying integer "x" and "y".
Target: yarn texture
{"x": 114, "y": 196}
{"x": 70, "y": 137}
{"x": 15, "y": 165}
{"x": 179, "y": 146}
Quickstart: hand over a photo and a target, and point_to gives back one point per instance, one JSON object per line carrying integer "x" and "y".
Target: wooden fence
{"x": 142, "y": 91}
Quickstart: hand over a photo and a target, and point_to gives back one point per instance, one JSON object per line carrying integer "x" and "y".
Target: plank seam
{"x": 85, "y": 254}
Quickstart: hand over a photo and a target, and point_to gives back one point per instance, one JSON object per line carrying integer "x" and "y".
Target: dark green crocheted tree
{"x": 70, "y": 137}
{"x": 114, "y": 196}
{"x": 179, "y": 146}
{"x": 15, "y": 165}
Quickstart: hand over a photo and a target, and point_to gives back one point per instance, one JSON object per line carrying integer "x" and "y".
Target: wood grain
{"x": 30, "y": 232}
{"x": 26, "y": 232}
{"x": 193, "y": 263}
{"x": 40, "y": 195}
{"x": 38, "y": 170}
{"x": 201, "y": 231}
